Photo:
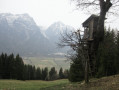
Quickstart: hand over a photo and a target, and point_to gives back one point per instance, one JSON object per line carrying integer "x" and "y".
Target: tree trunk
{"x": 104, "y": 7}
{"x": 86, "y": 72}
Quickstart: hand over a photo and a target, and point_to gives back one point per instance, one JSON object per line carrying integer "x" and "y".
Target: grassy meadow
{"x": 47, "y": 62}
{"x": 31, "y": 85}
{"x": 105, "y": 83}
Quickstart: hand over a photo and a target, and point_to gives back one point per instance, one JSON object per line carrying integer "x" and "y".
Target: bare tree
{"x": 76, "y": 42}
{"x": 104, "y": 7}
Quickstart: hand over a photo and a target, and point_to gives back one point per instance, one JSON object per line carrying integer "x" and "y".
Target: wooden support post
{"x": 86, "y": 72}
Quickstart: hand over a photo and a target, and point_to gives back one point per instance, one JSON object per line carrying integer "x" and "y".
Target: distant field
{"x": 30, "y": 85}
{"x": 47, "y": 62}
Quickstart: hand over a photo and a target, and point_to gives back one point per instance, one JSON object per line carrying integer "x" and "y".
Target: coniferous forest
{"x": 108, "y": 54}
{"x": 13, "y": 67}
{"x": 107, "y": 58}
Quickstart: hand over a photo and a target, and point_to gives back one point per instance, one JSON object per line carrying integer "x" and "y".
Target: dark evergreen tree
{"x": 106, "y": 56}
{"x": 1, "y": 65}
{"x": 33, "y": 74}
{"x": 117, "y": 53}
{"x": 30, "y": 72}
{"x": 11, "y": 66}
{"x": 38, "y": 74}
{"x": 53, "y": 74}
{"x": 19, "y": 68}
{"x": 42, "y": 78}
{"x": 61, "y": 74}
{"x": 0, "y": 68}
{"x": 76, "y": 72}
{"x": 26, "y": 73}
{"x": 66, "y": 73}
{"x": 45, "y": 73}
{"x": 4, "y": 70}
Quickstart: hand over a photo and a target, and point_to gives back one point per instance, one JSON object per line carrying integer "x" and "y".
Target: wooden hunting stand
{"x": 90, "y": 28}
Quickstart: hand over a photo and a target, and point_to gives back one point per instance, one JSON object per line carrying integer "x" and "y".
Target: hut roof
{"x": 85, "y": 23}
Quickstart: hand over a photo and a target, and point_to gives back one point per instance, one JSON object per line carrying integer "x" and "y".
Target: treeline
{"x": 107, "y": 58}
{"x": 14, "y": 68}
{"x": 108, "y": 54}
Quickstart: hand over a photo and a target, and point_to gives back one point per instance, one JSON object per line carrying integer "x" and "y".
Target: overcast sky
{"x": 46, "y": 12}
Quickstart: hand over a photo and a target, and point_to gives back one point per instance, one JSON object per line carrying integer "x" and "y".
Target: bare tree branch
{"x": 94, "y": 5}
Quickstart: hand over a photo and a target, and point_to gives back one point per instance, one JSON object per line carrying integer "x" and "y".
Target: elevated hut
{"x": 90, "y": 27}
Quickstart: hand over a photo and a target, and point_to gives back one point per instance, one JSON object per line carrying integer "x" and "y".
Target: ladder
{"x": 88, "y": 54}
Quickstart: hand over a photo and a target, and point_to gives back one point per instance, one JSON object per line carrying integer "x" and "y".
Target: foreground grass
{"x": 105, "y": 83}
{"x": 30, "y": 85}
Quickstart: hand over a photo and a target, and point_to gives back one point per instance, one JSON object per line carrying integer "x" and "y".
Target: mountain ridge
{"x": 20, "y": 34}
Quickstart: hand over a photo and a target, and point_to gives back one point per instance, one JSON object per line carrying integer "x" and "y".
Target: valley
{"x": 48, "y": 62}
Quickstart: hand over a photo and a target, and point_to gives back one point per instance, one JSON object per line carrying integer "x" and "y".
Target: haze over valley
{"x": 20, "y": 34}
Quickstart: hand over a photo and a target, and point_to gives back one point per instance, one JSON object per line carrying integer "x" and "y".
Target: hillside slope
{"x": 105, "y": 83}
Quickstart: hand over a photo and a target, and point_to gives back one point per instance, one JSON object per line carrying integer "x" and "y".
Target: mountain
{"x": 53, "y": 34}
{"x": 20, "y": 34}
{"x": 56, "y": 29}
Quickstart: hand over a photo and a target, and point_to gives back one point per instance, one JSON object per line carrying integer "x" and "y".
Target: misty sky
{"x": 46, "y": 12}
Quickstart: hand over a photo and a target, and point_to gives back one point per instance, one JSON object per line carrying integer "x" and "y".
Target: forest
{"x": 107, "y": 58}
{"x": 13, "y": 67}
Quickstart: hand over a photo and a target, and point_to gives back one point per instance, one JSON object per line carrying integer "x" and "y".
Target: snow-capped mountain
{"x": 56, "y": 29}
{"x": 54, "y": 32}
{"x": 20, "y": 34}
{"x": 17, "y": 19}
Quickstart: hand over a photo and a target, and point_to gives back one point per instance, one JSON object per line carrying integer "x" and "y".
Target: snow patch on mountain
{"x": 20, "y": 34}
{"x": 11, "y": 18}
{"x": 56, "y": 29}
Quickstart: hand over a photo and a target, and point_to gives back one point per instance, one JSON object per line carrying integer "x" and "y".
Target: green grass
{"x": 30, "y": 85}
{"x": 47, "y": 62}
{"x": 105, "y": 83}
